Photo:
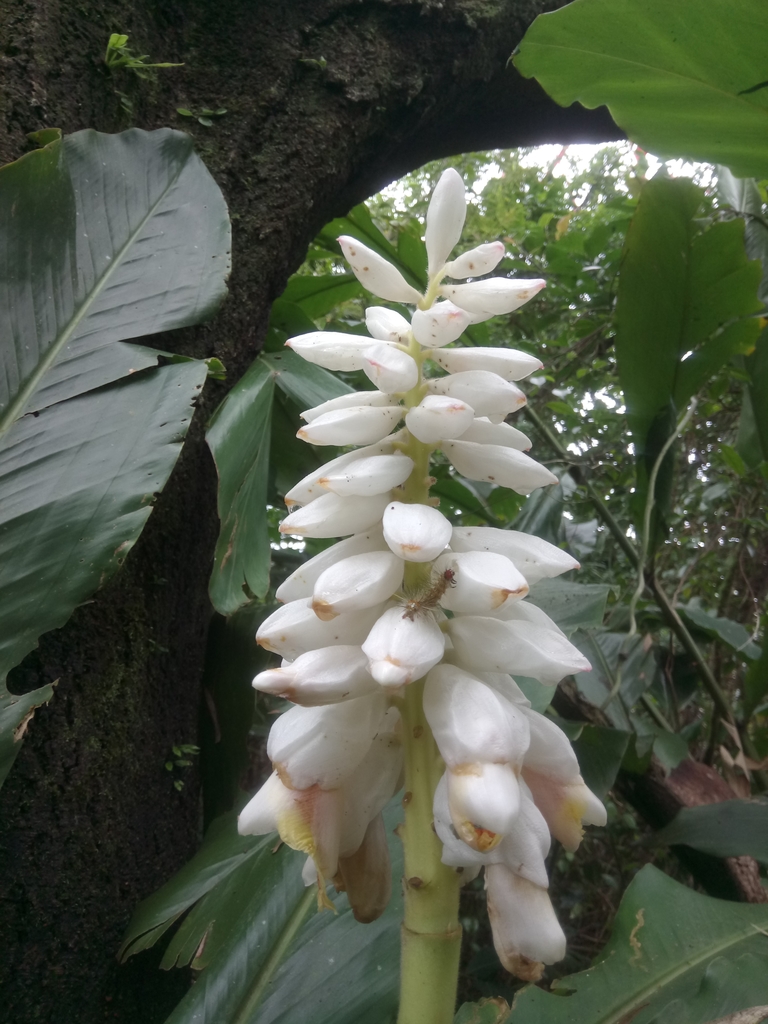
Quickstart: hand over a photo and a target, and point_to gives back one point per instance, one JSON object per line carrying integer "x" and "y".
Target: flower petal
{"x": 486, "y": 392}
{"x": 360, "y": 424}
{"x": 387, "y": 325}
{"x": 476, "y": 262}
{"x": 310, "y": 487}
{"x": 438, "y": 417}
{"x": 491, "y": 463}
{"x": 507, "y": 362}
{"x": 494, "y": 295}
{"x": 526, "y": 932}
{"x": 377, "y": 474}
{"x": 301, "y": 583}
{"x": 417, "y": 533}
{"x": 334, "y": 516}
{"x": 294, "y": 629}
{"x": 482, "y": 582}
{"x": 390, "y": 369}
{"x": 326, "y": 675}
{"x": 482, "y": 431}
{"x": 440, "y": 324}
{"x": 332, "y": 349}
{"x": 375, "y": 273}
{"x": 351, "y": 399}
{"x": 535, "y": 558}
{"x": 445, "y": 219}
{"x": 402, "y": 649}
{"x": 359, "y": 581}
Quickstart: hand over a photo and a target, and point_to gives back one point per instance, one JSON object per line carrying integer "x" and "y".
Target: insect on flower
{"x": 431, "y": 597}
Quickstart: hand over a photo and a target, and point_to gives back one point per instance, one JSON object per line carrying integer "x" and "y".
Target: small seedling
{"x": 181, "y": 759}
{"x": 204, "y": 116}
{"x": 119, "y": 55}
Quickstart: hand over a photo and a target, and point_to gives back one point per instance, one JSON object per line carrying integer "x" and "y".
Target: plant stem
{"x": 431, "y": 934}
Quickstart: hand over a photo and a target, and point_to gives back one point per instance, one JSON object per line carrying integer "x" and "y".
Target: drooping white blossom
{"x": 408, "y": 597}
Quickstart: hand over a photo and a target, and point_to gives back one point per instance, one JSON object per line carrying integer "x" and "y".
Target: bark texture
{"x": 327, "y": 101}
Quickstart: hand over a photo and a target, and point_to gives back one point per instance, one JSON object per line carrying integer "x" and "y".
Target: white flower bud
{"x": 482, "y": 582}
{"x": 484, "y": 801}
{"x": 332, "y": 349}
{"x": 438, "y": 417}
{"x": 486, "y": 392}
{"x": 401, "y": 649}
{"x": 294, "y": 629}
{"x": 445, "y": 218}
{"x": 494, "y": 295}
{"x": 359, "y": 581}
{"x": 476, "y": 262}
{"x": 301, "y": 583}
{"x": 470, "y": 722}
{"x": 335, "y": 516}
{"x": 482, "y": 431}
{"x": 375, "y": 475}
{"x": 535, "y": 558}
{"x": 493, "y": 464}
{"x": 322, "y": 746}
{"x": 526, "y": 932}
{"x": 327, "y": 675}
{"x": 348, "y": 401}
{"x": 375, "y": 273}
{"x": 358, "y": 425}
{"x": 526, "y": 846}
{"x": 507, "y": 362}
{"x": 387, "y": 325}
{"x": 440, "y": 324}
{"x": 315, "y": 484}
{"x": 416, "y": 533}
{"x": 490, "y": 645}
{"x": 390, "y": 369}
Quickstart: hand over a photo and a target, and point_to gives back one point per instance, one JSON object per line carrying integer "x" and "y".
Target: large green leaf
{"x": 572, "y": 605}
{"x": 715, "y": 626}
{"x": 104, "y": 238}
{"x": 251, "y": 909}
{"x": 684, "y": 309}
{"x": 239, "y": 437}
{"x": 317, "y": 295}
{"x": 675, "y": 957}
{"x": 733, "y": 828}
{"x": 684, "y": 79}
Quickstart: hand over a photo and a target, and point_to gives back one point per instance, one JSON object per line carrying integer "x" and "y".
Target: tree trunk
{"x": 327, "y": 101}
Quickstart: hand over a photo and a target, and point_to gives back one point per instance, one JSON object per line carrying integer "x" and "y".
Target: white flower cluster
{"x": 407, "y": 595}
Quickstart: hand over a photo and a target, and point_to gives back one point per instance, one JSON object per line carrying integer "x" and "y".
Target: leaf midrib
{"x": 16, "y": 406}
{"x": 612, "y": 1016}
{"x": 650, "y": 67}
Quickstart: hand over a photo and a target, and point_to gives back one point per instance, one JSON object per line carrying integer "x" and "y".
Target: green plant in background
{"x": 205, "y": 115}
{"x": 181, "y": 758}
{"x": 118, "y": 55}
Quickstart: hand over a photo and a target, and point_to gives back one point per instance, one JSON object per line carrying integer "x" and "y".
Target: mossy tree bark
{"x": 89, "y": 819}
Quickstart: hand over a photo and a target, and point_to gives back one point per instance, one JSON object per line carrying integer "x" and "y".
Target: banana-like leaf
{"x": 675, "y": 957}
{"x": 680, "y": 79}
{"x": 239, "y": 438}
{"x": 717, "y": 627}
{"x": 104, "y": 238}
{"x": 732, "y": 828}
{"x": 252, "y": 911}
{"x": 572, "y": 605}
